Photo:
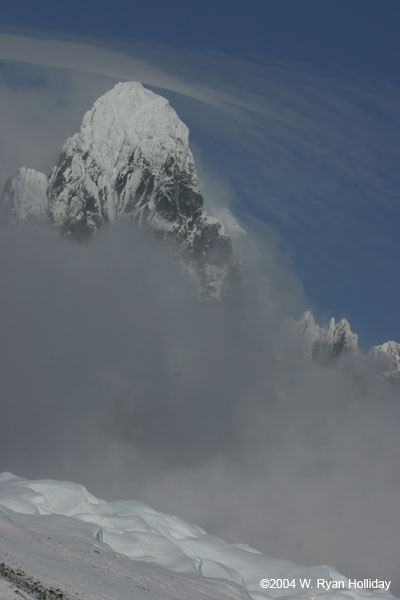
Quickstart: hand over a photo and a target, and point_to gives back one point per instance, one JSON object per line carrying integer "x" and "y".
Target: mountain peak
{"x": 129, "y": 115}
{"x": 130, "y": 159}
{"x": 326, "y": 342}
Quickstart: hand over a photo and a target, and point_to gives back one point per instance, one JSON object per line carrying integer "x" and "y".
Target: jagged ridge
{"x": 327, "y": 342}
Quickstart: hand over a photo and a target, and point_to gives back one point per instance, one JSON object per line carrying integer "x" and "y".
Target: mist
{"x": 115, "y": 374}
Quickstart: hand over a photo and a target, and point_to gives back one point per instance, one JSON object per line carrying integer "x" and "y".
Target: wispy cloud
{"x": 90, "y": 58}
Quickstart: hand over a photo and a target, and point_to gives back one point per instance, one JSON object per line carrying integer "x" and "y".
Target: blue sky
{"x": 359, "y": 34}
{"x": 324, "y": 173}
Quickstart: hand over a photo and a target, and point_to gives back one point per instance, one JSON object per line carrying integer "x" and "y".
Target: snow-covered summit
{"x": 326, "y": 342}
{"x": 130, "y": 159}
{"x": 130, "y": 142}
{"x": 81, "y": 527}
{"x": 129, "y": 115}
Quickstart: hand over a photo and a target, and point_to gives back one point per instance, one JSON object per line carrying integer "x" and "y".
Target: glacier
{"x": 63, "y": 536}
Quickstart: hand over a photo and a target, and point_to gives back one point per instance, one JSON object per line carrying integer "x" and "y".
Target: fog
{"x": 115, "y": 375}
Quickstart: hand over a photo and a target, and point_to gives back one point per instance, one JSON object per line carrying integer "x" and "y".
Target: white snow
{"x": 64, "y": 536}
{"x": 325, "y": 342}
{"x": 386, "y": 358}
{"x": 130, "y": 159}
{"x": 128, "y": 121}
{"x": 131, "y": 116}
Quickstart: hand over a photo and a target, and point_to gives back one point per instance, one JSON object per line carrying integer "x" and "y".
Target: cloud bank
{"x": 113, "y": 374}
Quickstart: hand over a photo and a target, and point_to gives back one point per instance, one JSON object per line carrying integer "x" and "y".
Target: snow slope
{"x": 45, "y": 553}
{"x": 60, "y": 534}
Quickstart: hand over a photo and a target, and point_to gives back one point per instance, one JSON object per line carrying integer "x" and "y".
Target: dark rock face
{"x": 24, "y": 584}
{"x": 166, "y": 202}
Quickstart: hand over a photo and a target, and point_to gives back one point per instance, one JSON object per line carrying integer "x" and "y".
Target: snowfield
{"x": 58, "y": 541}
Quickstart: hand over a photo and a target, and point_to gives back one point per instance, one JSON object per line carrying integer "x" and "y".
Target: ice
{"x": 134, "y": 530}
